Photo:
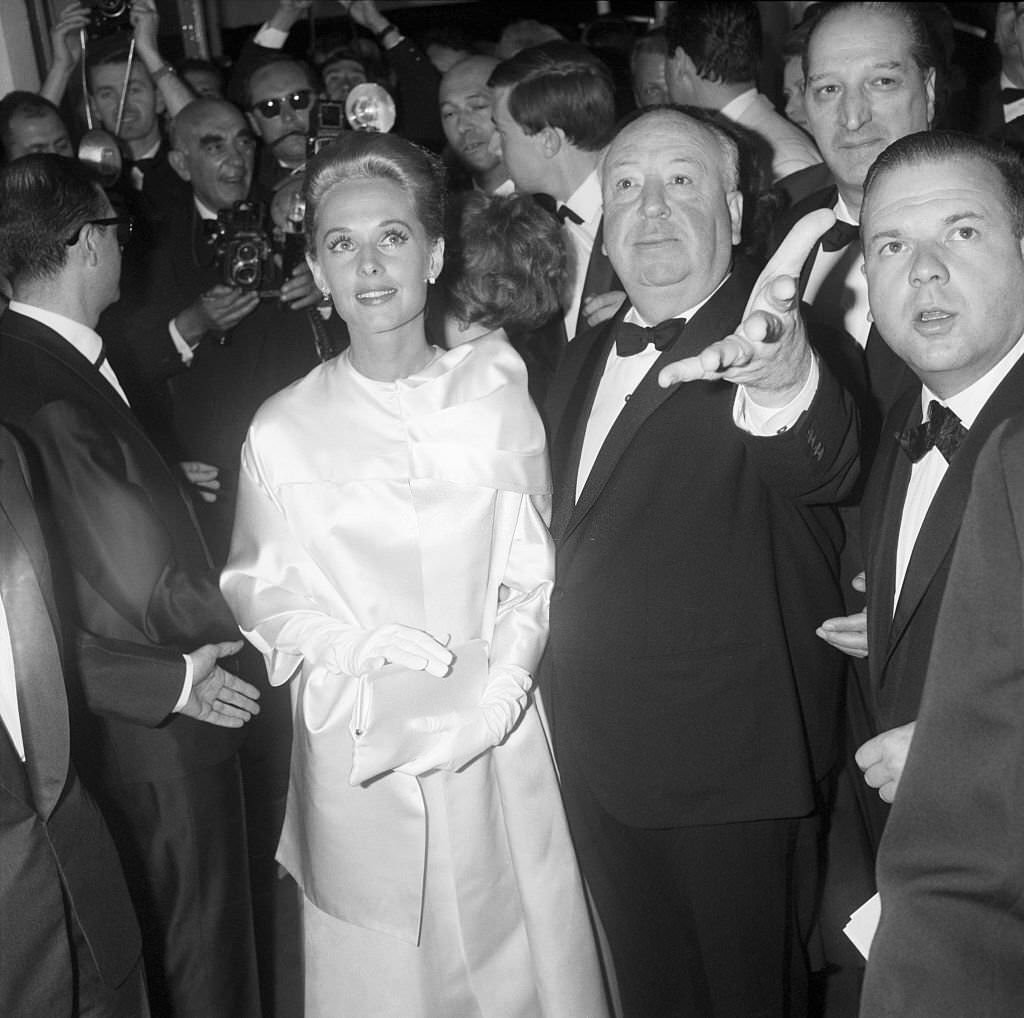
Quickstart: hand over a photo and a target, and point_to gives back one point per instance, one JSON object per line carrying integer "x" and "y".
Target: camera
{"x": 108, "y": 17}
{"x": 326, "y": 122}
{"x": 246, "y": 252}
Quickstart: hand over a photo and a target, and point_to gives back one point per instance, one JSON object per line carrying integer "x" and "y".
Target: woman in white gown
{"x": 391, "y": 509}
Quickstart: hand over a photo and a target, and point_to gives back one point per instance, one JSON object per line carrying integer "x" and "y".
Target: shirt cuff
{"x": 767, "y": 421}
{"x": 180, "y": 343}
{"x": 186, "y": 688}
{"x": 270, "y": 38}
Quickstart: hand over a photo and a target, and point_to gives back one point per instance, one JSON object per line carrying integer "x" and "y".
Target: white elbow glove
{"x": 365, "y": 650}
{"x": 461, "y": 736}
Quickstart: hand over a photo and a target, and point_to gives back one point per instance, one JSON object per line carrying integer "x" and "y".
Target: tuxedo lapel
{"x": 39, "y": 680}
{"x": 945, "y": 514}
{"x": 52, "y": 344}
{"x": 600, "y": 276}
{"x": 714, "y": 321}
{"x": 569, "y": 425}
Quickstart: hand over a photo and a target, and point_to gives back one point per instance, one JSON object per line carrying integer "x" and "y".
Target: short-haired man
{"x": 466, "y": 99}
{"x": 713, "y": 51}
{"x": 869, "y": 72}
{"x": 139, "y": 573}
{"x": 943, "y": 229}
{"x": 30, "y": 123}
{"x": 691, "y": 715}
{"x": 153, "y": 88}
{"x": 554, "y": 111}
{"x": 219, "y": 348}
{"x": 943, "y": 221}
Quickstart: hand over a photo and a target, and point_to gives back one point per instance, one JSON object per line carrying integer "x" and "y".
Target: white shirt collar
{"x": 85, "y": 340}
{"x": 735, "y": 108}
{"x": 205, "y": 212}
{"x": 842, "y": 211}
{"x": 585, "y": 201}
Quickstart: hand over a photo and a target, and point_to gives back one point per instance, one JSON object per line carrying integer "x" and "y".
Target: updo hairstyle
{"x": 366, "y": 155}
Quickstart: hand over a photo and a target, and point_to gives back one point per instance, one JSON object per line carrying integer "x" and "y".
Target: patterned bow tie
{"x": 839, "y": 235}
{"x": 631, "y": 339}
{"x": 1011, "y": 95}
{"x": 943, "y": 430}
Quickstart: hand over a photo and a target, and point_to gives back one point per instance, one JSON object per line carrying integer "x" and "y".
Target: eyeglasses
{"x": 270, "y": 108}
{"x": 125, "y": 225}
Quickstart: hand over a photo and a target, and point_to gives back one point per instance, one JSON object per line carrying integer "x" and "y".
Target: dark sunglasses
{"x": 270, "y": 108}
{"x": 125, "y": 225}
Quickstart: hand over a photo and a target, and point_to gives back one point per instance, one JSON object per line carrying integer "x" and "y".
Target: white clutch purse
{"x": 389, "y": 698}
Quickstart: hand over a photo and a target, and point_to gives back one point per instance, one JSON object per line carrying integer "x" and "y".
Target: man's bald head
{"x": 213, "y": 148}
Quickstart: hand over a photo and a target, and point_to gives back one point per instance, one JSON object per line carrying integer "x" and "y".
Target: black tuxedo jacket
{"x": 900, "y": 642}
{"x": 57, "y": 862}
{"x": 951, "y": 864}
{"x": 141, "y": 572}
{"x": 682, "y": 669}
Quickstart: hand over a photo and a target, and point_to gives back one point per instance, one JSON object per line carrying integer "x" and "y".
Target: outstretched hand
{"x": 768, "y": 353}
{"x": 218, "y": 697}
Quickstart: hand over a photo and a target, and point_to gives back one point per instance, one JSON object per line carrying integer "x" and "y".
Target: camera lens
{"x": 111, "y": 8}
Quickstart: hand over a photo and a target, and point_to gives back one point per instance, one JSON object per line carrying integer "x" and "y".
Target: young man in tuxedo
{"x": 692, "y": 717}
{"x": 943, "y": 227}
{"x": 554, "y": 111}
{"x": 140, "y": 573}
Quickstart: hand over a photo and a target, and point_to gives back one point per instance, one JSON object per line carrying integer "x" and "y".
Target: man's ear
{"x": 929, "y": 89}
{"x": 734, "y": 199}
{"x": 179, "y": 164}
{"x": 551, "y": 141}
{"x": 679, "y": 70}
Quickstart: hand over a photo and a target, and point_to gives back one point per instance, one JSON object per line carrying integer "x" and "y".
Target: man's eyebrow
{"x": 878, "y": 65}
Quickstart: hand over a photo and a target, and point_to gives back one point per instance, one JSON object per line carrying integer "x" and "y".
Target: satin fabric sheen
{"x": 423, "y": 502}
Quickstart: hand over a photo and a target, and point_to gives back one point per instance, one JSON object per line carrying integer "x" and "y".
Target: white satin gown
{"x": 422, "y": 502}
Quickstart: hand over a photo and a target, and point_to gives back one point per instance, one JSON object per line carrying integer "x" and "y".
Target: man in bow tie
{"x": 943, "y": 227}
{"x": 870, "y": 79}
{"x": 944, "y": 252}
{"x": 692, "y": 717}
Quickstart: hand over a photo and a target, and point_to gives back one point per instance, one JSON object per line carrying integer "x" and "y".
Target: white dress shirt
{"x": 9, "y": 712}
{"x": 792, "y": 149}
{"x": 927, "y": 473}
{"x": 585, "y": 201}
{"x": 1011, "y": 111}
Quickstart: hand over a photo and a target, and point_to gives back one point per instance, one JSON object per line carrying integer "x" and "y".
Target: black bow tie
{"x": 1011, "y": 95}
{"x": 943, "y": 430}
{"x": 839, "y": 235}
{"x": 631, "y": 339}
{"x": 564, "y": 212}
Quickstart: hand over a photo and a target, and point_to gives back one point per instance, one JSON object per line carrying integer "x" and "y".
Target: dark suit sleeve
{"x": 817, "y": 460}
{"x": 951, "y": 864}
{"x": 114, "y": 536}
{"x": 109, "y": 672}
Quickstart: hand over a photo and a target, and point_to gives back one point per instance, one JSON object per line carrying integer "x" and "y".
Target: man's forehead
{"x": 463, "y": 83}
{"x": 664, "y": 132}
{"x": 866, "y": 35}
{"x": 277, "y": 78}
{"x": 971, "y": 184}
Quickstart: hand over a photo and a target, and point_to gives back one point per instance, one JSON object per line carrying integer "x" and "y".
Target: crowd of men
{"x": 784, "y": 659}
